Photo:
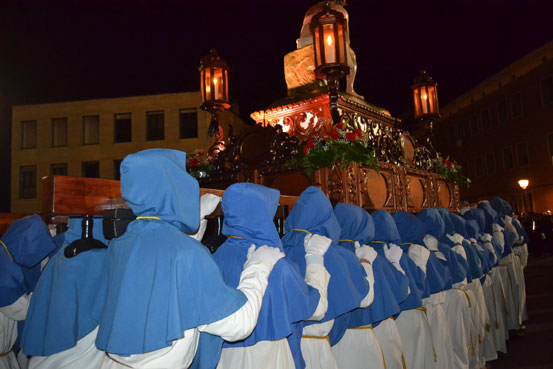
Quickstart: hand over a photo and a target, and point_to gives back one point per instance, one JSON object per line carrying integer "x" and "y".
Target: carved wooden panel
{"x": 293, "y": 183}
{"x": 375, "y": 189}
{"x": 444, "y": 196}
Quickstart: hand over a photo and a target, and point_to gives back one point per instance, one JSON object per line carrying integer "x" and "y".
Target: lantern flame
{"x": 329, "y": 40}
{"x": 215, "y": 80}
{"x": 425, "y": 96}
{"x": 207, "y": 89}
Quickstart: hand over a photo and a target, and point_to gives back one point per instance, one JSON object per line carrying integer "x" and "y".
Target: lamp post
{"x": 329, "y": 30}
{"x": 523, "y": 183}
{"x": 214, "y": 88}
{"x": 425, "y": 95}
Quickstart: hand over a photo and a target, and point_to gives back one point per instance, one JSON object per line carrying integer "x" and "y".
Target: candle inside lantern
{"x": 330, "y": 49}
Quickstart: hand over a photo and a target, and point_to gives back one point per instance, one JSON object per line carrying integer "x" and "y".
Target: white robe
{"x": 9, "y": 316}
{"x": 84, "y": 355}
{"x": 499, "y": 305}
{"x": 511, "y": 287}
{"x": 416, "y": 339}
{"x": 439, "y": 329}
{"x": 237, "y": 326}
{"x": 479, "y": 321}
{"x": 390, "y": 341}
{"x": 315, "y": 346}
{"x": 277, "y": 354}
{"x": 458, "y": 321}
{"x": 490, "y": 347}
{"x": 358, "y": 347}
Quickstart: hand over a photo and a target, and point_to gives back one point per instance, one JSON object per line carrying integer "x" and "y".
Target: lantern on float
{"x": 329, "y": 30}
{"x": 425, "y": 96}
{"x": 214, "y": 87}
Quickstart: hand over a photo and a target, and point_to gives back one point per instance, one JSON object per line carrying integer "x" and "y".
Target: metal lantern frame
{"x": 425, "y": 96}
{"x": 214, "y": 87}
{"x": 329, "y": 29}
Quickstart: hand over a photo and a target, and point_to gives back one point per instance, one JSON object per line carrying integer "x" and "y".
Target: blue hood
{"x": 288, "y": 301}
{"x": 356, "y": 224}
{"x": 490, "y": 215}
{"x": 60, "y": 311}
{"x": 153, "y": 183}
{"x": 246, "y": 204}
{"x": 410, "y": 228}
{"x": 501, "y": 206}
{"x": 472, "y": 228}
{"x": 449, "y": 226}
{"x": 460, "y": 224}
{"x": 313, "y": 213}
{"x": 161, "y": 281}
{"x": 433, "y": 222}
{"x": 385, "y": 227}
{"x": 27, "y": 242}
{"x": 479, "y": 217}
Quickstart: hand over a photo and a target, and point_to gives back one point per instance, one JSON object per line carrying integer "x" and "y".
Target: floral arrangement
{"x": 335, "y": 146}
{"x": 451, "y": 170}
{"x": 198, "y": 164}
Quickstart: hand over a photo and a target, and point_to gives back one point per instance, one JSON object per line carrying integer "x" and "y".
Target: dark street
{"x": 535, "y": 349}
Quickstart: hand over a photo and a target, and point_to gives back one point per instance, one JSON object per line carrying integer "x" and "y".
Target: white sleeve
{"x": 18, "y": 310}
{"x": 367, "y": 300}
{"x": 240, "y": 324}
{"x": 317, "y": 277}
{"x": 461, "y": 251}
{"x": 419, "y": 254}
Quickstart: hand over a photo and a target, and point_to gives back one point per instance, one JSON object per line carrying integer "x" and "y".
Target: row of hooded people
{"x": 343, "y": 288}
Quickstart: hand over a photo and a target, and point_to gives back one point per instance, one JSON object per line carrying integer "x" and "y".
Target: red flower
{"x": 193, "y": 162}
{"x": 358, "y": 132}
{"x": 308, "y": 146}
{"x": 334, "y": 134}
{"x": 200, "y": 153}
{"x": 339, "y": 126}
{"x": 449, "y": 164}
{"x": 351, "y": 136}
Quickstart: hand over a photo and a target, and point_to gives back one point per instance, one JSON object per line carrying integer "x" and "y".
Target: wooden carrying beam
{"x": 76, "y": 195}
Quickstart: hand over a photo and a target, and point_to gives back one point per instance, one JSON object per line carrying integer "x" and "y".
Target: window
{"x": 516, "y": 105}
{"x": 122, "y": 128}
{"x": 28, "y": 134}
{"x": 502, "y": 112}
{"x": 547, "y": 90}
{"x": 486, "y": 121}
{"x": 508, "y": 158}
{"x": 155, "y": 125}
{"x": 550, "y": 144}
{"x": 452, "y": 137}
{"x": 59, "y": 132}
{"x": 522, "y": 153}
{"x": 91, "y": 130}
{"x": 490, "y": 163}
{"x": 27, "y": 182}
{"x": 188, "y": 119}
{"x": 58, "y": 169}
{"x": 117, "y": 169}
{"x": 479, "y": 166}
{"x": 474, "y": 128}
{"x": 91, "y": 169}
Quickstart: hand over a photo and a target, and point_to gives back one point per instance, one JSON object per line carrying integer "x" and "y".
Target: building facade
{"x": 501, "y": 131}
{"x": 90, "y": 138}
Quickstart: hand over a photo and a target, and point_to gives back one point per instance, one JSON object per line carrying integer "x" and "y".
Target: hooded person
{"x": 59, "y": 330}
{"x": 474, "y": 291}
{"x": 508, "y": 263}
{"x": 438, "y": 279}
{"x": 163, "y": 286}
{"x": 249, "y": 210}
{"x": 456, "y": 302}
{"x": 384, "y": 242}
{"x": 24, "y": 250}
{"x": 493, "y": 283}
{"x": 487, "y": 310}
{"x": 412, "y": 323}
{"x": 348, "y": 287}
{"x": 353, "y": 341}
{"x": 512, "y": 262}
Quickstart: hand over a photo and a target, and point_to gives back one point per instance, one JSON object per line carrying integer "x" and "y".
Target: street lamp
{"x": 425, "y": 95}
{"x": 214, "y": 88}
{"x": 329, "y": 29}
{"x": 523, "y": 183}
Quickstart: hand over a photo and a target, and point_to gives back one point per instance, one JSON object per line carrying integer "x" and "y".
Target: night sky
{"x": 93, "y": 49}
